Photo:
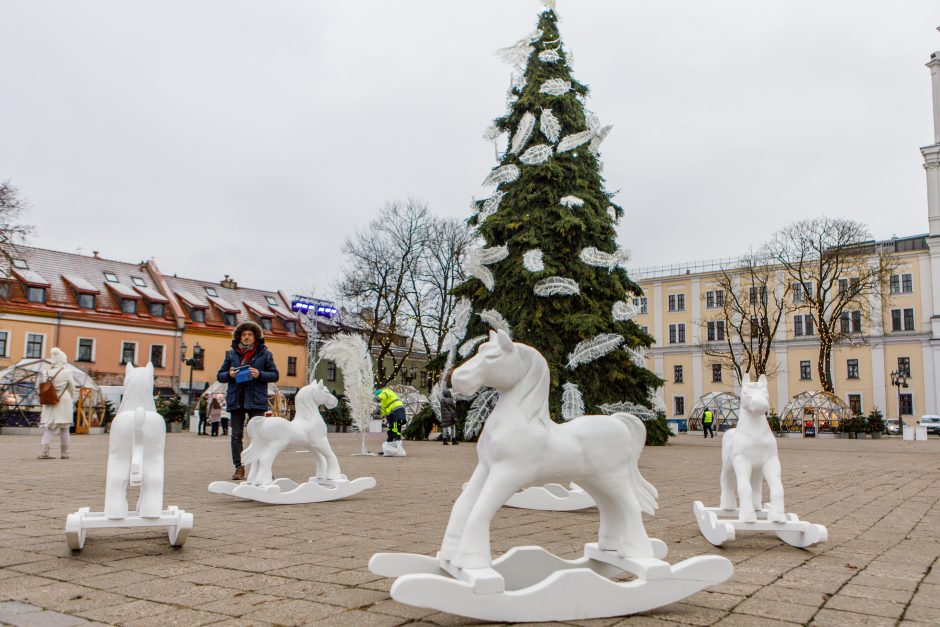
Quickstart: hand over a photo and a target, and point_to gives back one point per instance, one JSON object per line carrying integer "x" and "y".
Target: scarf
{"x": 246, "y": 352}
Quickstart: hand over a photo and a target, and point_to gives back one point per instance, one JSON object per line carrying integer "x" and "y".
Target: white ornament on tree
{"x": 517, "y": 55}
{"x": 476, "y": 261}
{"x": 572, "y": 402}
{"x": 570, "y": 142}
{"x": 550, "y": 126}
{"x": 467, "y": 347}
{"x": 536, "y": 154}
{"x": 623, "y": 311}
{"x": 599, "y": 136}
{"x": 502, "y": 174}
{"x": 555, "y": 87}
{"x": 612, "y": 213}
{"x": 495, "y": 321}
{"x": 571, "y": 202}
{"x": 549, "y": 56}
{"x": 490, "y": 206}
{"x": 492, "y": 133}
{"x": 461, "y": 318}
{"x": 523, "y": 132}
{"x": 556, "y": 286}
{"x": 532, "y": 260}
{"x": 594, "y": 348}
{"x": 480, "y": 410}
{"x": 597, "y": 258}
{"x": 637, "y": 355}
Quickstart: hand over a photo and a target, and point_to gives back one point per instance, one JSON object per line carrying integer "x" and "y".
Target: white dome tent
{"x": 19, "y": 395}
{"x": 724, "y": 406}
{"x": 812, "y": 413}
{"x": 413, "y": 400}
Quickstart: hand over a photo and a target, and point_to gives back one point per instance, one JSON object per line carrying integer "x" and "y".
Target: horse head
{"x": 497, "y": 364}
{"x": 755, "y": 399}
{"x": 315, "y": 394}
{"x": 138, "y": 388}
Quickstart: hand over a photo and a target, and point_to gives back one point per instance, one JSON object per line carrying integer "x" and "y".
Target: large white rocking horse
{"x": 748, "y": 458}
{"x": 521, "y": 446}
{"x": 135, "y": 458}
{"x": 270, "y": 435}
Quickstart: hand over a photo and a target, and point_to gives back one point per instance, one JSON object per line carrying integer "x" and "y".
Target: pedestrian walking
{"x": 247, "y": 369}
{"x": 215, "y": 416}
{"x": 707, "y": 419}
{"x": 448, "y": 417}
{"x": 56, "y": 395}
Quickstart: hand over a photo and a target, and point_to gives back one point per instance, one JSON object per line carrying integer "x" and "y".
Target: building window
{"x": 36, "y": 294}
{"x": 139, "y": 282}
{"x": 128, "y": 353}
{"x": 128, "y": 305}
{"x": 271, "y": 300}
{"x": 4, "y": 344}
{"x": 801, "y": 291}
{"x": 901, "y": 284}
{"x": 716, "y": 373}
{"x": 852, "y": 368}
{"x": 424, "y": 378}
{"x": 902, "y": 319}
{"x": 229, "y": 319}
{"x": 850, "y": 322}
{"x": 199, "y": 357}
{"x": 904, "y": 366}
{"x": 331, "y": 371}
{"x": 110, "y": 277}
{"x": 714, "y": 299}
{"x": 907, "y": 283}
{"x": 803, "y": 325}
{"x": 86, "y": 301}
{"x": 86, "y": 349}
{"x": 641, "y": 303}
{"x": 806, "y": 373}
{"x": 211, "y": 291}
{"x": 758, "y": 326}
{"x": 757, "y": 293}
{"x": 644, "y": 328}
{"x": 908, "y": 319}
{"x": 34, "y": 345}
{"x": 157, "y": 310}
{"x": 265, "y": 323}
{"x": 677, "y": 302}
{"x": 677, "y": 374}
{"x": 21, "y": 264}
{"x": 291, "y": 366}
{"x": 907, "y": 404}
{"x": 855, "y": 404}
{"x": 198, "y": 315}
{"x": 678, "y": 404}
{"x": 5, "y": 291}
{"x": 677, "y": 333}
{"x": 715, "y": 330}
{"x": 156, "y": 355}
{"x": 290, "y": 326}
{"x": 846, "y": 284}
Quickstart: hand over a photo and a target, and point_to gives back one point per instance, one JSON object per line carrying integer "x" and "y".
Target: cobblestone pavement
{"x": 247, "y": 563}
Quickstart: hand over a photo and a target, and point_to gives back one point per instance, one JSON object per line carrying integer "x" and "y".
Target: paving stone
{"x": 45, "y": 618}
{"x": 125, "y": 612}
{"x": 834, "y": 618}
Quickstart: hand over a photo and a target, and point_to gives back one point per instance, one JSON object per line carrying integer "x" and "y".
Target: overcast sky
{"x": 251, "y": 138}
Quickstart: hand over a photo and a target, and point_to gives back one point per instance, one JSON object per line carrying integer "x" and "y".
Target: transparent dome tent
{"x": 413, "y": 400}
{"x": 276, "y": 401}
{"x": 724, "y": 406}
{"x": 810, "y": 413}
{"x": 19, "y": 395}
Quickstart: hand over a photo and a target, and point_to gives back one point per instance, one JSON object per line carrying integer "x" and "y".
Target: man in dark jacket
{"x": 448, "y": 417}
{"x": 253, "y": 364}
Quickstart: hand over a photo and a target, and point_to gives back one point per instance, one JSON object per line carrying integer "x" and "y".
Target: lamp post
{"x": 191, "y": 362}
{"x": 899, "y": 380}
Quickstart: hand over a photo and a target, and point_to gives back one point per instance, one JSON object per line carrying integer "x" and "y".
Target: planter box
{"x": 826, "y": 436}
{"x": 861, "y": 436}
{"x": 174, "y": 427}
{"x": 875, "y": 436}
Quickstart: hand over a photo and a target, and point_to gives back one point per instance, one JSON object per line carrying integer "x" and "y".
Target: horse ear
{"x": 747, "y": 377}
{"x": 493, "y": 336}
{"x": 128, "y": 369}
{"x": 150, "y": 368}
{"x": 503, "y": 339}
{"x": 762, "y": 380}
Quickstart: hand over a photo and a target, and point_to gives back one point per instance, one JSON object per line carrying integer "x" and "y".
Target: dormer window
{"x": 139, "y": 282}
{"x": 290, "y": 326}
{"x": 229, "y": 319}
{"x": 157, "y": 310}
{"x": 86, "y": 301}
{"x": 36, "y": 294}
{"x": 110, "y": 277}
{"x": 198, "y": 315}
{"x": 271, "y": 300}
{"x": 265, "y": 323}
{"x": 20, "y": 263}
{"x": 211, "y": 291}
{"x": 128, "y": 306}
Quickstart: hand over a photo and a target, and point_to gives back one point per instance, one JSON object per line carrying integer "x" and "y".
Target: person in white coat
{"x": 57, "y": 417}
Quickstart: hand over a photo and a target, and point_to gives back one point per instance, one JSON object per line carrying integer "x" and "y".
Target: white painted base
{"x": 552, "y": 497}
{"x": 286, "y": 492}
{"x": 719, "y": 525}
{"x": 530, "y": 584}
{"x": 177, "y": 521}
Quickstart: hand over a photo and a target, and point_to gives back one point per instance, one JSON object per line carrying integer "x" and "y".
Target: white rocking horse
{"x": 270, "y": 435}
{"x": 748, "y": 458}
{"x": 521, "y": 446}
{"x": 135, "y": 457}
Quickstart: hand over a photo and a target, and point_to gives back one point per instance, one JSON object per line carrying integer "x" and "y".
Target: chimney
{"x": 228, "y": 283}
{"x": 95, "y": 253}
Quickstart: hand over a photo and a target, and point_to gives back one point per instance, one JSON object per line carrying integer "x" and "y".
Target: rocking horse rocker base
{"x": 552, "y": 497}
{"x": 531, "y": 584}
{"x": 286, "y": 492}
{"x": 177, "y": 521}
{"x": 720, "y": 525}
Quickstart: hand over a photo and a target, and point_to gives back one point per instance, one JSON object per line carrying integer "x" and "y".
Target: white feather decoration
{"x": 555, "y": 87}
{"x": 594, "y": 348}
{"x": 549, "y": 56}
{"x": 572, "y": 402}
{"x": 515, "y": 55}
{"x": 434, "y": 399}
{"x": 570, "y": 142}
{"x": 476, "y": 260}
{"x": 612, "y": 213}
{"x": 626, "y": 407}
{"x": 466, "y": 349}
{"x": 535, "y": 35}
{"x": 637, "y": 356}
{"x": 502, "y": 174}
{"x": 656, "y": 401}
{"x": 495, "y": 320}
{"x": 571, "y": 202}
{"x": 517, "y": 83}
{"x": 536, "y": 154}
{"x": 549, "y": 4}
{"x": 460, "y": 318}
{"x": 550, "y": 126}
{"x": 532, "y": 260}
{"x": 480, "y": 410}
{"x": 492, "y": 133}
{"x": 594, "y": 257}
{"x": 556, "y": 286}
{"x": 599, "y": 136}
{"x": 351, "y": 354}
{"x": 623, "y": 311}
{"x": 523, "y": 133}
{"x": 493, "y": 254}
{"x": 490, "y": 205}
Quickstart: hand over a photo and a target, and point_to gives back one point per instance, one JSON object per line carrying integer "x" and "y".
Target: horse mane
{"x": 305, "y": 402}
{"x": 138, "y": 391}
{"x": 534, "y": 384}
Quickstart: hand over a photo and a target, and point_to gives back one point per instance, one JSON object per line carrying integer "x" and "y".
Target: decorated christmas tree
{"x": 550, "y": 270}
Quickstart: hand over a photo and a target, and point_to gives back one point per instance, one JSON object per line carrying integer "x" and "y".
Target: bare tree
{"x": 751, "y": 303}
{"x": 379, "y": 281}
{"x": 835, "y": 271}
{"x": 13, "y": 209}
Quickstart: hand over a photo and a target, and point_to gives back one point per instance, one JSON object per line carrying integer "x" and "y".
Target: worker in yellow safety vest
{"x": 393, "y": 411}
{"x": 707, "y": 420}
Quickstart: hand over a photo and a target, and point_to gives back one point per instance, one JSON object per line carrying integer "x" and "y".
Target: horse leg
{"x": 460, "y": 511}
{"x": 321, "y": 464}
{"x": 632, "y": 539}
{"x": 118, "y": 474}
{"x": 757, "y": 484}
{"x": 728, "y": 500}
{"x": 742, "y": 472}
{"x": 772, "y": 474}
{"x": 331, "y": 464}
{"x": 610, "y": 529}
{"x": 265, "y": 465}
{"x": 474, "y": 549}
{"x": 150, "y": 501}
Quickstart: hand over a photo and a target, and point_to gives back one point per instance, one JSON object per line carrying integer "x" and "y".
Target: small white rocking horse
{"x": 521, "y": 446}
{"x": 135, "y": 458}
{"x": 748, "y": 458}
{"x": 270, "y": 435}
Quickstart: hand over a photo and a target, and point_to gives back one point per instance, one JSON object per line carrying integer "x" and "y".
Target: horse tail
{"x": 645, "y": 491}
{"x": 251, "y": 454}
{"x": 137, "y": 447}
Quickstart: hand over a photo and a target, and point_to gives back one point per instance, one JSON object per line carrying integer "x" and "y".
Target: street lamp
{"x": 195, "y": 360}
{"x": 899, "y": 380}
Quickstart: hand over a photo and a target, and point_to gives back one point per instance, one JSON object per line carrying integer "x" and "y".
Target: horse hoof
{"x": 472, "y": 561}
{"x": 748, "y": 517}
{"x": 777, "y": 517}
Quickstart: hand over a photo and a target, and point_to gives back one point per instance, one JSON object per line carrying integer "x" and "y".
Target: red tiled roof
{"x": 223, "y": 304}
{"x": 81, "y": 284}
{"x": 31, "y": 277}
{"x": 191, "y": 300}
{"x": 258, "y": 309}
{"x": 122, "y": 290}
{"x": 151, "y": 294}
